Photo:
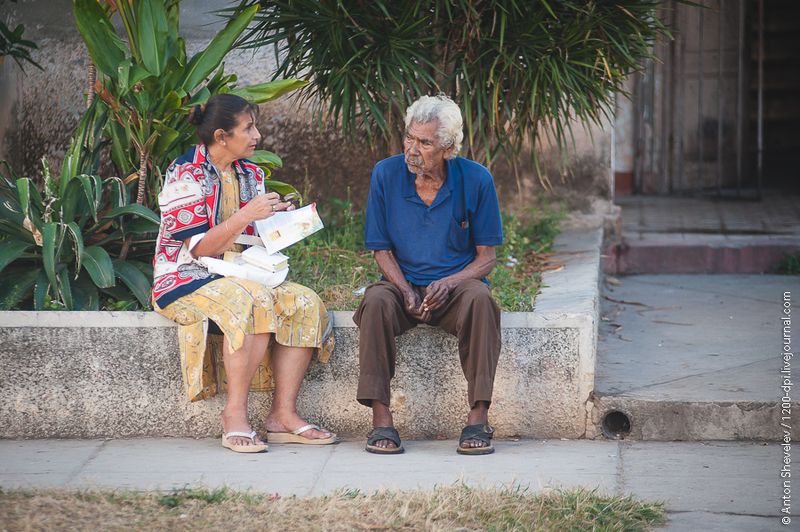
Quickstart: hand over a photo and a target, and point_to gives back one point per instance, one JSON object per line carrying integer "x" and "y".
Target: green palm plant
{"x": 55, "y": 240}
{"x": 519, "y": 70}
{"x": 148, "y": 84}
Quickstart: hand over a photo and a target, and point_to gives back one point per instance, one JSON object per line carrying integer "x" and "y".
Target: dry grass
{"x": 446, "y": 508}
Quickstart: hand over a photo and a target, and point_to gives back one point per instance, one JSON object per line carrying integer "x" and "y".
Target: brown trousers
{"x": 470, "y": 314}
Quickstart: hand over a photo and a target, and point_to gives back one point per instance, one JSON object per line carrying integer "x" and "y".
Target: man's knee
{"x": 477, "y": 293}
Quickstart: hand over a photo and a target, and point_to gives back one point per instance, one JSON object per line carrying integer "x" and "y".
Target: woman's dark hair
{"x": 220, "y": 112}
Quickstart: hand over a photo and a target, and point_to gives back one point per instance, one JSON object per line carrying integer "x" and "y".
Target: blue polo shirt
{"x": 432, "y": 242}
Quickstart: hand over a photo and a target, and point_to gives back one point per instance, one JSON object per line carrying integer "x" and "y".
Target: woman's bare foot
{"x": 289, "y": 421}
{"x": 233, "y": 421}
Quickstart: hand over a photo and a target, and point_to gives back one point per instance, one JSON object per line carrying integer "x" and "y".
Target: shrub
{"x": 54, "y": 240}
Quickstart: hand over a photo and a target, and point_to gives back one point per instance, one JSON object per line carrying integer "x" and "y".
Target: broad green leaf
{"x": 105, "y": 46}
{"x": 166, "y": 136}
{"x": 11, "y": 250}
{"x": 77, "y": 244}
{"x": 127, "y": 16}
{"x": 83, "y": 154}
{"x": 145, "y": 268}
{"x": 138, "y": 73}
{"x": 36, "y": 197}
{"x": 202, "y": 64}
{"x": 49, "y": 237}
{"x": 120, "y": 146}
{"x": 119, "y": 292}
{"x": 170, "y": 104}
{"x": 280, "y": 187}
{"x": 117, "y": 191}
{"x": 24, "y": 186}
{"x": 123, "y": 74}
{"x": 65, "y": 289}
{"x": 135, "y": 280}
{"x": 141, "y": 226}
{"x": 14, "y": 229}
{"x": 136, "y": 210}
{"x": 92, "y": 189}
{"x": 264, "y": 92}
{"x": 84, "y": 293}
{"x": 143, "y": 102}
{"x": 73, "y": 196}
{"x": 40, "y": 290}
{"x": 199, "y": 98}
{"x": 152, "y": 33}
{"x": 15, "y": 288}
{"x": 264, "y": 157}
{"x": 98, "y": 265}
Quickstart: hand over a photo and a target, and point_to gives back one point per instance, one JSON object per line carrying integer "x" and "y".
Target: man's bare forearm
{"x": 480, "y": 267}
{"x": 391, "y": 269}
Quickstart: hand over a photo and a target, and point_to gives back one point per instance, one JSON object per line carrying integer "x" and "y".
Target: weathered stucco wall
{"x": 8, "y": 99}
{"x": 115, "y": 381}
{"x": 49, "y": 103}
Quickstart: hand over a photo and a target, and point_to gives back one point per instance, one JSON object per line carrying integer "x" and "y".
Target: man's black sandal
{"x": 384, "y": 433}
{"x": 480, "y": 432}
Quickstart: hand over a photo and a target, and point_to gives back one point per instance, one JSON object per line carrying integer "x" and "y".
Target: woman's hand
{"x": 263, "y": 206}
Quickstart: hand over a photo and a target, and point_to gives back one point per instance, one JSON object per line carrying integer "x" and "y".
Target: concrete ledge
{"x": 679, "y": 253}
{"x": 116, "y": 374}
{"x": 665, "y": 420}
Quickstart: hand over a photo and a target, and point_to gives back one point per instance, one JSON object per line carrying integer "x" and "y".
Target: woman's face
{"x": 241, "y": 141}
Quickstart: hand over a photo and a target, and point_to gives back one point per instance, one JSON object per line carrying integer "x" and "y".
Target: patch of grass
{"x": 789, "y": 264}
{"x": 528, "y": 243}
{"x": 335, "y": 264}
{"x": 443, "y": 508}
{"x": 178, "y": 497}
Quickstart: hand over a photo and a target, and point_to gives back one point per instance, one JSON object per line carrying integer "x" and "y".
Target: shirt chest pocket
{"x": 458, "y": 239}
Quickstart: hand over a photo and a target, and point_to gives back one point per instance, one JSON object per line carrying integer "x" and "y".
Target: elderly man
{"x": 432, "y": 221}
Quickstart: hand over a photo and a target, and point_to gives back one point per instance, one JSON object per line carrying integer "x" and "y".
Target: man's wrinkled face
{"x": 423, "y": 153}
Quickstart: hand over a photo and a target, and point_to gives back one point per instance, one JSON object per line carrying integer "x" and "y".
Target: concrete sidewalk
{"x": 694, "y": 356}
{"x": 706, "y": 485}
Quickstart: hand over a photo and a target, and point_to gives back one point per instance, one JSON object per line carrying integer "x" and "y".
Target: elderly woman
{"x": 432, "y": 221}
{"x": 211, "y": 196}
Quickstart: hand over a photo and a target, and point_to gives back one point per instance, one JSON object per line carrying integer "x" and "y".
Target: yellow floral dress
{"x": 293, "y": 313}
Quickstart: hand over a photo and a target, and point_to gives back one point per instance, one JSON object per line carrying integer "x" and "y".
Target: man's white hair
{"x": 441, "y": 108}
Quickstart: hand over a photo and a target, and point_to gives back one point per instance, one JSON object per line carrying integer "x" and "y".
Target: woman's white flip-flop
{"x": 239, "y": 448}
{"x": 295, "y": 436}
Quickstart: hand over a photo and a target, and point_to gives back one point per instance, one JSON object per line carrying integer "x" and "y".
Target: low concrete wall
{"x": 116, "y": 374}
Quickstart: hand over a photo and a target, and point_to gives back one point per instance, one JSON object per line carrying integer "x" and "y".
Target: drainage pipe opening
{"x": 616, "y": 424}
